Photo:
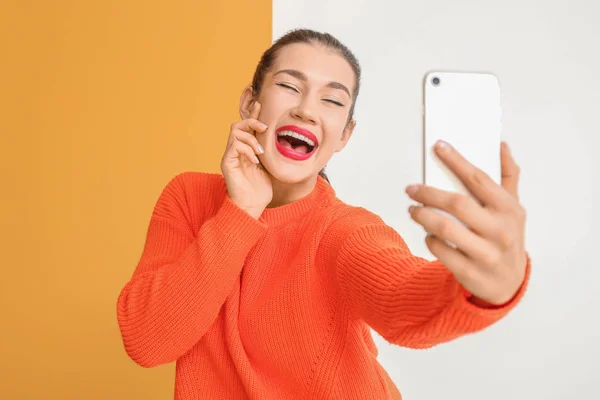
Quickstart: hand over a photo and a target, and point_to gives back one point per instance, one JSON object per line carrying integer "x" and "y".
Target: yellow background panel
{"x": 102, "y": 102}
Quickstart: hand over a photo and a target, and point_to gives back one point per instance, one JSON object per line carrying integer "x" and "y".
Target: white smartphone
{"x": 463, "y": 109}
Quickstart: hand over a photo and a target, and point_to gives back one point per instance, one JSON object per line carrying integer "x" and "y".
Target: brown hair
{"x": 307, "y": 36}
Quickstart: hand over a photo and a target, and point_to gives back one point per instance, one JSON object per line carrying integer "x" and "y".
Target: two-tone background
{"x": 101, "y": 103}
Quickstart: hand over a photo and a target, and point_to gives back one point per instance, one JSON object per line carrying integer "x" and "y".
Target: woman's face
{"x": 306, "y": 99}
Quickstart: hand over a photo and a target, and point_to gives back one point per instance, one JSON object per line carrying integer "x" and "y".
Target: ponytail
{"x": 323, "y": 175}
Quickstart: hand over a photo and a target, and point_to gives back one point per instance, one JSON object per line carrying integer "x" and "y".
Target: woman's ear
{"x": 246, "y": 102}
{"x": 348, "y": 130}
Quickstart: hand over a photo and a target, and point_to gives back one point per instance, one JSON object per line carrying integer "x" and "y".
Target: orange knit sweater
{"x": 280, "y": 307}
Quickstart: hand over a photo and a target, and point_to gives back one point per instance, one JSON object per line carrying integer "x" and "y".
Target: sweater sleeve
{"x": 183, "y": 277}
{"x": 408, "y": 300}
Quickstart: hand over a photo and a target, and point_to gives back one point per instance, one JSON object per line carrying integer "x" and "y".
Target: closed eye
{"x": 337, "y": 103}
{"x": 285, "y": 85}
{"x": 288, "y": 87}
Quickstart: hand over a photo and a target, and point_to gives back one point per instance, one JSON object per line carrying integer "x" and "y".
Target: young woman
{"x": 262, "y": 284}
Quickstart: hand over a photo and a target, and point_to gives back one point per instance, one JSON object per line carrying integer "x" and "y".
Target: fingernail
{"x": 412, "y": 189}
{"x": 256, "y": 160}
{"x": 411, "y": 209}
{"x": 260, "y": 149}
{"x": 441, "y": 145}
{"x": 262, "y": 125}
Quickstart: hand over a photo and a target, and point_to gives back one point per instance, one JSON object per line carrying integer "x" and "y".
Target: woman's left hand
{"x": 490, "y": 258}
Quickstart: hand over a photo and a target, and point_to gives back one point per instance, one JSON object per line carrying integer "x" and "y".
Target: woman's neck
{"x": 286, "y": 193}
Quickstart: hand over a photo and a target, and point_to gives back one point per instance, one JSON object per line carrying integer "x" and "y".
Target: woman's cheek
{"x": 278, "y": 98}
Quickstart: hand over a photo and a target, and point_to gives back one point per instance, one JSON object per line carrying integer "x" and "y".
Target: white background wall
{"x": 546, "y": 54}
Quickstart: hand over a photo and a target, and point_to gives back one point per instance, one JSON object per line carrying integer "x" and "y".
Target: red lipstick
{"x": 290, "y": 152}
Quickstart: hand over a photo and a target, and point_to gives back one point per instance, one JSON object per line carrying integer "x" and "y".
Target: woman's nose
{"x": 305, "y": 111}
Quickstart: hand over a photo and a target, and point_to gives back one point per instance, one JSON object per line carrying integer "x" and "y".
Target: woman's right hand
{"x": 248, "y": 184}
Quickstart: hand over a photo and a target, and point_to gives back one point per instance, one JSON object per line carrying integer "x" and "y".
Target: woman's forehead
{"x": 317, "y": 63}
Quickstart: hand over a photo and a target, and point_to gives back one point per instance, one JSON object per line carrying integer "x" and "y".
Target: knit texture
{"x": 280, "y": 307}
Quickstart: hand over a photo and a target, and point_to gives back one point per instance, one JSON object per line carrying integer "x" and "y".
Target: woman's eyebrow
{"x": 301, "y": 76}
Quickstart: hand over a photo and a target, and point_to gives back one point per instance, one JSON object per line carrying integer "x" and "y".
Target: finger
{"x": 461, "y": 267}
{"x": 248, "y": 139}
{"x": 249, "y": 125}
{"x": 446, "y": 228}
{"x": 510, "y": 171}
{"x": 239, "y": 150}
{"x": 465, "y": 208}
{"x": 478, "y": 182}
{"x": 255, "y": 112}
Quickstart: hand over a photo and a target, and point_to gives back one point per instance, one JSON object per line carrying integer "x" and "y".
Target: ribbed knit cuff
{"x": 496, "y": 312}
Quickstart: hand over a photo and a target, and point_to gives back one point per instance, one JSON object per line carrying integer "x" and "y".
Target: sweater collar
{"x": 321, "y": 196}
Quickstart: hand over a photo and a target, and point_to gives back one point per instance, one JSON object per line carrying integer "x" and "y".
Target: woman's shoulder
{"x": 348, "y": 217}
{"x": 195, "y": 180}
{"x": 196, "y": 185}
{"x": 196, "y": 195}
{"x": 344, "y": 221}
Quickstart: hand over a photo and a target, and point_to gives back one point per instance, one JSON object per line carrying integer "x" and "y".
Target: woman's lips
{"x": 304, "y": 132}
{"x": 290, "y": 152}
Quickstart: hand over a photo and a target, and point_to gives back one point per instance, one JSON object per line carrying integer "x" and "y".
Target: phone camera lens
{"x": 435, "y": 81}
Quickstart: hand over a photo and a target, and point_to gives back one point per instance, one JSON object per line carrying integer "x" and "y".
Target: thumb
{"x": 510, "y": 171}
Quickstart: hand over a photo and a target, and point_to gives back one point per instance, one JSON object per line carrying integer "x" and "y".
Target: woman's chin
{"x": 290, "y": 174}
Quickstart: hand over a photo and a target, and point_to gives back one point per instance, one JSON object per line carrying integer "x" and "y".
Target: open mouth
{"x": 296, "y": 143}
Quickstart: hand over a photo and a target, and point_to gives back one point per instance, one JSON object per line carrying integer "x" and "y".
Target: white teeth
{"x": 297, "y": 136}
